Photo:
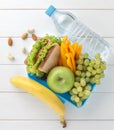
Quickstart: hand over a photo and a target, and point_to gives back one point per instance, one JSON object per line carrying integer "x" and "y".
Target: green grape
{"x": 92, "y": 80}
{"x": 78, "y": 73}
{"x": 93, "y": 72}
{"x": 82, "y": 82}
{"x": 80, "y": 94}
{"x": 101, "y": 75}
{"x": 72, "y": 97}
{"x": 84, "y": 68}
{"x": 87, "y": 79}
{"x": 88, "y": 74}
{"x": 92, "y": 62}
{"x": 74, "y": 91}
{"x": 79, "y": 89}
{"x": 97, "y": 62}
{"x": 86, "y": 55}
{"x": 77, "y": 84}
{"x": 83, "y": 74}
{"x": 97, "y": 56}
{"x": 77, "y": 99}
{"x": 99, "y": 71}
{"x": 80, "y": 61}
{"x": 84, "y": 97}
{"x": 90, "y": 69}
{"x": 86, "y": 62}
{"x": 96, "y": 66}
{"x": 103, "y": 67}
{"x": 97, "y": 76}
{"x": 97, "y": 82}
{"x": 87, "y": 92}
{"x": 81, "y": 56}
{"x": 88, "y": 87}
{"x": 79, "y": 67}
{"x": 79, "y": 104}
{"x": 77, "y": 79}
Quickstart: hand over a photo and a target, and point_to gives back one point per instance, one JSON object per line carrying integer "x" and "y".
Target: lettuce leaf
{"x": 32, "y": 64}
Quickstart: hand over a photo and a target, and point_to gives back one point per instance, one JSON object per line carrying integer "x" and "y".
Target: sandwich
{"x": 44, "y": 56}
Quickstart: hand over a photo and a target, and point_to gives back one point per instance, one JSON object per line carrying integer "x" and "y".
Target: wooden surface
{"x": 21, "y": 111}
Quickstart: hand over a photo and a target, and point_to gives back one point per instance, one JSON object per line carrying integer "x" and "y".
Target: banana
{"x": 42, "y": 93}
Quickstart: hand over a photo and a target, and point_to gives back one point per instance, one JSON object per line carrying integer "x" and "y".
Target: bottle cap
{"x": 50, "y": 10}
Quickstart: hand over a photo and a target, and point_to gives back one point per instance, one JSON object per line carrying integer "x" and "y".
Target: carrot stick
{"x": 69, "y": 53}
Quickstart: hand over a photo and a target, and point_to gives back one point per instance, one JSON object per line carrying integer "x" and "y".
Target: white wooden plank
{"x": 97, "y": 107}
{"x": 50, "y": 125}
{"x": 7, "y": 71}
{"x": 18, "y": 44}
{"x": 24, "y": 106}
{"x": 14, "y": 23}
{"x": 74, "y": 4}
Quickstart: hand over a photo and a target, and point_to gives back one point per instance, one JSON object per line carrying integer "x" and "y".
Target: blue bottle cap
{"x": 50, "y": 10}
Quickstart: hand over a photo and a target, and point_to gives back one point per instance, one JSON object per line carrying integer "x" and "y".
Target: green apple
{"x": 60, "y": 79}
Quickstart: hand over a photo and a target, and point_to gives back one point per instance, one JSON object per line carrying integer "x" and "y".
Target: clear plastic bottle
{"x": 68, "y": 24}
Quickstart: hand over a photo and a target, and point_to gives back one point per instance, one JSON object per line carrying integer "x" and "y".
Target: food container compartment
{"x": 104, "y": 50}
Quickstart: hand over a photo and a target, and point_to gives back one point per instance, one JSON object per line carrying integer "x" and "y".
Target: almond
{"x": 10, "y": 41}
{"x": 24, "y": 36}
{"x": 25, "y": 62}
{"x": 34, "y": 37}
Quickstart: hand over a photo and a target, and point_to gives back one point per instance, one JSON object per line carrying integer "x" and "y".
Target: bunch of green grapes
{"x": 88, "y": 72}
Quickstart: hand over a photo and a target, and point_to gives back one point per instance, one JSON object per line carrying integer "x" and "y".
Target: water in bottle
{"x": 67, "y": 24}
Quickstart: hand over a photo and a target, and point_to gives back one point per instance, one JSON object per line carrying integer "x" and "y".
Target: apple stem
{"x": 60, "y": 79}
{"x": 63, "y": 121}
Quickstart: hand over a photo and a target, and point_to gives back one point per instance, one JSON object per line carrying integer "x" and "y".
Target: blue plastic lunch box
{"x": 104, "y": 55}
{"x": 65, "y": 97}
{"x": 104, "y": 51}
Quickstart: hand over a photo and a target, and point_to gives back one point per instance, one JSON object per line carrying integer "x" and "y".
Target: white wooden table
{"x": 21, "y": 111}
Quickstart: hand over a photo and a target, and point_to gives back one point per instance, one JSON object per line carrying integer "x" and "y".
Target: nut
{"x": 10, "y": 57}
{"x": 24, "y": 36}
{"x": 25, "y": 62}
{"x": 34, "y": 37}
{"x": 24, "y": 51}
{"x": 10, "y": 41}
{"x": 31, "y": 31}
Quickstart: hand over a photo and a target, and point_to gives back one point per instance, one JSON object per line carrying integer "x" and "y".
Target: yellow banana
{"x": 42, "y": 93}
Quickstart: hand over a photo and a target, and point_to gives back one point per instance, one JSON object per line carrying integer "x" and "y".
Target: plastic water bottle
{"x": 67, "y": 24}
